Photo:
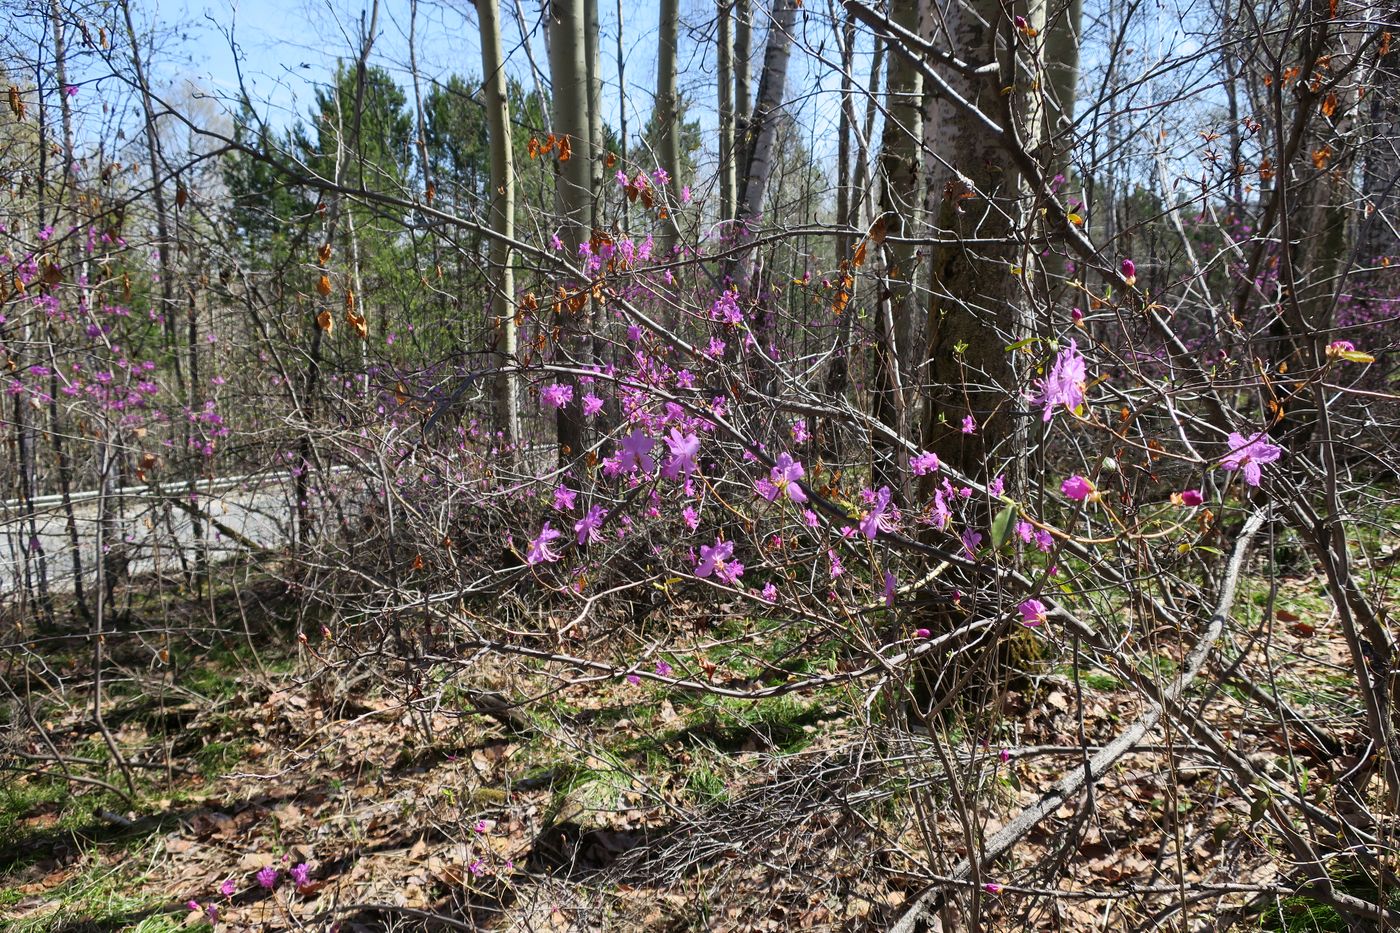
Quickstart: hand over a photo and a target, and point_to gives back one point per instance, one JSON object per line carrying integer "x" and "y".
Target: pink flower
{"x": 770, "y": 592}
{"x": 718, "y": 560}
{"x": 540, "y": 550}
{"x": 228, "y": 887}
{"x": 267, "y": 877}
{"x": 1129, "y": 272}
{"x": 193, "y": 905}
{"x": 587, "y": 528}
{"x": 564, "y": 498}
{"x": 592, "y": 404}
{"x": 875, "y": 521}
{"x": 784, "y": 479}
{"x": 690, "y": 517}
{"x": 636, "y": 449}
{"x": 683, "y": 447}
{"x": 1076, "y": 315}
{"x": 663, "y": 668}
{"x": 661, "y": 177}
{"x": 633, "y": 679}
{"x": 301, "y": 875}
{"x": 556, "y": 395}
{"x": 555, "y": 243}
{"x": 1004, "y": 756}
{"x": 685, "y": 194}
{"x": 1346, "y": 350}
{"x": 481, "y": 826}
{"x": 1077, "y": 488}
{"x": 1189, "y": 497}
{"x": 971, "y": 541}
{"x": 1249, "y": 456}
{"x": 71, "y": 90}
{"x": 922, "y": 633}
{"x": 991, "y": 887}
{"x": 1032, "y": 613}
{"x": 1065, "y": 384}
{"x": 924, "y": 463}
{"x": 969, "y": 425}
{"x": 889, "y": 590}
{"x": 477, "y": 867}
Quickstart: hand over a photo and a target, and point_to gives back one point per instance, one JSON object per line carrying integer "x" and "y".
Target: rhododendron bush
{"x": 953, "y": 496}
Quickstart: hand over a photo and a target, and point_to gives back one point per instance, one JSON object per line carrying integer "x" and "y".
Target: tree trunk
{"x": 664, "y": 119}
{"x": 568, "y": 53}
{"x": 743, "y": 84}
{"x": 1062, "y": 64}
{"x": 502, "y": 213}
{"x": 979, "y": 301}
{"x": 900, "y": 159}
{"x": 763, "y": 128}
{"x": 728, "y": 162}
{"x": 167, "y": 306}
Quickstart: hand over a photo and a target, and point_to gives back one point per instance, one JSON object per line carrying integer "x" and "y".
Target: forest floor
{"x": 602, "y": 805}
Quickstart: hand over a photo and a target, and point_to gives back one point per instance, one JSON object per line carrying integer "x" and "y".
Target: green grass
{"x": 98, "y": 899}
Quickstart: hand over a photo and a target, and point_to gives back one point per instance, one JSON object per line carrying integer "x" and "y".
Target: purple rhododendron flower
{"x": 564, "y": 498}
{"x": 924, "y": 463}
{"x": 875, "y": 520}
{"x": 971, "y": 541}
{"x": 636, "y": 452}
{"x": 969, "y": 425}
{"x": 1077, "y": 488}
{"x": 556, "y": 395}
{"x": 783, "y": 480}
{"x": 1191, "y": 497}
{"x": 889, "y": 590}
{"x": 770, "y": 592}
{"x": 587, "y": 528}
{"x": 1032, "y": 613}
{"x": 1129, "y": 271}
{"x": 719, "y": 560}
{"x": 1249, "y": 456}
{"x": 684, "y": 448}
{"x": 592, "y": 404}
{"x": 1065, "y": 383}
{"x": 540, "y": 550}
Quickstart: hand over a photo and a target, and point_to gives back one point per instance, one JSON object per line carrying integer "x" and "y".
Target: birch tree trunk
{"x": 763, "y": 127}
{"x": 568, "y": 53}
{"x": 1062, "y": 31}
{"x": 502, "y": 213}
{"x": 728, "y": 161}
{"x": 743, "y": 84}
{"x": 591, "y": 37}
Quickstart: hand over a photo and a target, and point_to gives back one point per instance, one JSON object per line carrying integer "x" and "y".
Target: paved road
{"x": 152, "y": 530}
